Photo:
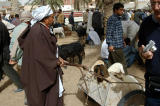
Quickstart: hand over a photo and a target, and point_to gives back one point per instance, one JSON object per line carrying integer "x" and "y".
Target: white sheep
{"x": 117, "y": 73}
{"x": 116, "y": 68}
{"x": 59, "y": 30}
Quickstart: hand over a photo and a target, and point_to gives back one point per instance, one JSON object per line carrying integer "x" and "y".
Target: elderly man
{"x": 15, "y": 51}
{"x": 41, "y": 73}
{"x": 152, "y": 63}
{"x": 130, "y": 28}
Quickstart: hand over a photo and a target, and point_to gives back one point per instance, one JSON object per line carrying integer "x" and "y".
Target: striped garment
{"x": 114, "y": 33}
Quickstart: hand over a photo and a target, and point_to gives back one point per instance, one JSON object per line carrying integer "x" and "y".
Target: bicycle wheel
{"x": 133, "y": 98}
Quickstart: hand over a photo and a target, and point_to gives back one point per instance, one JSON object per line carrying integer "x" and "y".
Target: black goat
{"x": 81, "y": 31}
{"x": 70, "y": 51}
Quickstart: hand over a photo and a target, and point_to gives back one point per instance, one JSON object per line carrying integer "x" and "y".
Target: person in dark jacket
{"x": 0, "y": 17}
{"x": 97, "y": 21}
{"x": 71, "y": 20}
{"x": 152, "y": 59}
{"x": 5, "y": 67}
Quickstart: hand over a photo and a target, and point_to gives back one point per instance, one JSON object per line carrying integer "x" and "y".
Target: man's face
{"x": 155, "y": 4}
{"x": 51, "y": 19}
{"x": 120, "y": 11}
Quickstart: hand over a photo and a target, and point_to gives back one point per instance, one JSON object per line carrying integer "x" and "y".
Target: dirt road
{"x": 72, "y": 96}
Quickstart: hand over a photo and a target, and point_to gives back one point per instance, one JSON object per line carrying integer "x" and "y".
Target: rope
{"x": 83, "y": 76}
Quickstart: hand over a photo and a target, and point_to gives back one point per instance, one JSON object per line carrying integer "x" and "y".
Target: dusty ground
{"x": 72, "y": 96}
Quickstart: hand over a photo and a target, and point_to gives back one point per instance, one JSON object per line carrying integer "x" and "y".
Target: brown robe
{"x": 40, "y": 72}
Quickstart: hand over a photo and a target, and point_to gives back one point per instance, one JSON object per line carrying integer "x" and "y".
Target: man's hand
{"x": 146, "y": 55}
{"x": 111, "y": 48}
{"x": 12, "y": 62}
{"x": 61, "y": 62}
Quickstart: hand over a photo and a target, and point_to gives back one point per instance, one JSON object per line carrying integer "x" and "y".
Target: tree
{"x": 53, "y": 3}
{"x": 105, "y": 5}
{"x": 80, "y": 3}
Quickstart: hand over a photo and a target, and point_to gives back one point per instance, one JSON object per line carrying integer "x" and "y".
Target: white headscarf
{"x": 94, "y": 36}
{"x": 8, "y": 24}
{"x": 7, "y": 17}
{"x": 25, "y": 16}
{"x": 39, "y": 13}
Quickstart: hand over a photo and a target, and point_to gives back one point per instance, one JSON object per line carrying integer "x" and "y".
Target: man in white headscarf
{"x": 15, "y": 51}
{"x": 5, "y": 20}
{"x": 93, "y": 35}
{"x": 130, "y": 28}
{"x": 41, "y": 73}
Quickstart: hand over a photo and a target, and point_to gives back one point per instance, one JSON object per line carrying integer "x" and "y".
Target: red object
{"x": 75, "y": 14}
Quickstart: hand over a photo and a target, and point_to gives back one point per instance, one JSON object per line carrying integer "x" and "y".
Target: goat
{"x": 71, "y": 51}
{"x": 81, "y": 32}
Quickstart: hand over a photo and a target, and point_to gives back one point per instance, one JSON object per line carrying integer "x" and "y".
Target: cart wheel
{"x": 133, "y": 98}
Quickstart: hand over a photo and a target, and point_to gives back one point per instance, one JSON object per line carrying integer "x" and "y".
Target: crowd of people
{"x": 127, "y": 33}
{"x": 12, "y": 19}
{"x": 119, "y": 44}
{"x": 33, "y": 47}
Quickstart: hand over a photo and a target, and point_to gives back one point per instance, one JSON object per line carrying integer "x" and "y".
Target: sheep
{"x": 117, "y": 74}
{"x": 59, "y": 30}
{"x": 116, "y": 68}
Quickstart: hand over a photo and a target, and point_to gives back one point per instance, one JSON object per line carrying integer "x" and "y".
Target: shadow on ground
{"x": 5, "y": 85}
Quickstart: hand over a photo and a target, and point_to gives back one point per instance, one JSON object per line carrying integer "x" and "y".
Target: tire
{"x": 133, "y": 98}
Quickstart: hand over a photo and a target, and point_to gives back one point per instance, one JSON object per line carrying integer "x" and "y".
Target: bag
{"x": 154, "y": 84}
